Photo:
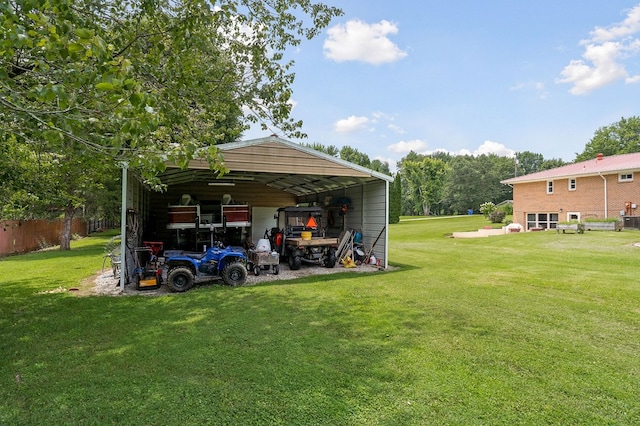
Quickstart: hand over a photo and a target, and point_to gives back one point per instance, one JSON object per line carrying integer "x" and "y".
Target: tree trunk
{"x": 65, "y": 236}
{"x": 426, "y": 209}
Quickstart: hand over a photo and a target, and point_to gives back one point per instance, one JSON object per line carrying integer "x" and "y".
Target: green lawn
{"x": 529, "y": 328}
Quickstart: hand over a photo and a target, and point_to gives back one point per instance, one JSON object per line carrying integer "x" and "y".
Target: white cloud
{"x": 404, "y": 147}
{"x": 602, "y": 62}
{"x": 351, "y": 124}
{"x": 491, "y": 147}
{"x": 359, "y": 41}
{"x": 628, "y": 27}
{"x": 605, "y": 68}
{"x": 379, "y": 115}
{"x": 634, "y": 79}
{"x": 537, "y": 87}
{"x": 396, "y": 129}
{"x": 420, "y": 147}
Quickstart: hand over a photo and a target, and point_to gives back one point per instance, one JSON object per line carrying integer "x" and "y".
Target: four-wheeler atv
{"x": 185, "y": 268}
{"x": 299, "y": 237}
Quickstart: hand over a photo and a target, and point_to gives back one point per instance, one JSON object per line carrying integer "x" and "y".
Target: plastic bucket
{"x": 306, "y": 235}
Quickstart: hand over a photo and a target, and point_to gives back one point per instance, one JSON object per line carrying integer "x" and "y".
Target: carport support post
{"x": 123, "y": 225}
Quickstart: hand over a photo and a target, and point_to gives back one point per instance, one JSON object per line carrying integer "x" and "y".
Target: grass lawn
{"x": 528, "y": 328}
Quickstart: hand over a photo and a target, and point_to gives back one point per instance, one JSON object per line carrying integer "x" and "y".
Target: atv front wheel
{"x": 180, "y": 279}
{"x": 234, "y": 274}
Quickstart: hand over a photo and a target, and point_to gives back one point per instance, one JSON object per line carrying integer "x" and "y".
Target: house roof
{"x": 594, "y": 167}
{"x": 278, "y": 163}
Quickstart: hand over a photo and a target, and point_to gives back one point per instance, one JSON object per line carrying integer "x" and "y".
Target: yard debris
{"x": 348, "y": 262}
{"x": 53, "y": 291}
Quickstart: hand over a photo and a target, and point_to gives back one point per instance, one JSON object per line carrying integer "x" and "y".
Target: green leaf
{"x": 75, "y": 47}
{"x": 135, "y": 99}
{"x": 106, "y": 86}
{"x": 84, "y": 33}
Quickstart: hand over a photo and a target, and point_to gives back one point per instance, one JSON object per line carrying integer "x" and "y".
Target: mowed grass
{"x": 530, "y": 328}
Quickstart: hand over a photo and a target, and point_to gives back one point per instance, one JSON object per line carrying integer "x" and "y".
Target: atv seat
{"x": 193, "y": 254}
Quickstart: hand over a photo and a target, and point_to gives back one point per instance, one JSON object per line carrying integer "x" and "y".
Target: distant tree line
{"x": 441, "y": 183}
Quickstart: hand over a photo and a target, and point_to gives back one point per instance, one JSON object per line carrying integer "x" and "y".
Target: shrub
{"x": 487, "y": 208}
{"x": 608, "y": 219}
{"x": 496, "y": 216}
{"x": 506, "y": 208}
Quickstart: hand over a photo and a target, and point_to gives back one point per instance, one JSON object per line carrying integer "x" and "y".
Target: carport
{"x": 263, "y": 175}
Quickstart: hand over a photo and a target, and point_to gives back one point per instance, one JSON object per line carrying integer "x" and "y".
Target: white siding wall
{"x": 369, "y": 213}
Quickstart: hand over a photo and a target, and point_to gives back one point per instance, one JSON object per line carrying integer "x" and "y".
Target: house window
{"x": 542, "y": 220}
{"x": 550, "y": 187}
{"x": 572, "y": 184}
{"x": 625, "y": 177}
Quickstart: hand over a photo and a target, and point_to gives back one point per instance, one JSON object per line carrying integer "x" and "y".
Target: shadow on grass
{"x": 318, "y": 354}
{"x": 56, "y": 253}
{"x": 334, "y": 276}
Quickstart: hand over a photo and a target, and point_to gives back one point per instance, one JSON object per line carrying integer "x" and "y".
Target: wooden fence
{"x": 97, "y": 225}
{"x": 21, "y": 236}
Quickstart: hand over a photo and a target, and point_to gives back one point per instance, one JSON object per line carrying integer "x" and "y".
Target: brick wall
{"x": 588, "y": 199}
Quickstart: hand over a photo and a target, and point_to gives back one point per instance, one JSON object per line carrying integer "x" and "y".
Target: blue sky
{"x": 468, "y": 76}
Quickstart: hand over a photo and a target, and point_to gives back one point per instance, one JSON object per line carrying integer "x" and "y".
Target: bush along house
{"x": 604, "y": 188}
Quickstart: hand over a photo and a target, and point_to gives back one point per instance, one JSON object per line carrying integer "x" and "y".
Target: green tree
{"x": 425, "y": 182}
{"x": 395, "y": 199}
{"x": 380, "y": 166}
{"x": 622, "y": 137}
{"x": 410, "y": 204}
{"x": 354, "y": 156}
{"x": 528, "y": 162}
{"x": 552, "y": 163}
{"x": 18, "y": 168}
{"x": 475, "y": 180}
{"x": 90, "y": 82}
{"x": 331, "y": 150}
{"x": 411, "y": 199}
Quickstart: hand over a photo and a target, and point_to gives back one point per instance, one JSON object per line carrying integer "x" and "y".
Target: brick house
{"x": 604, "y": 187}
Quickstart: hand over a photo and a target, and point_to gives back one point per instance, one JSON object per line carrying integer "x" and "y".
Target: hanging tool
{"x": 368, "y": 256}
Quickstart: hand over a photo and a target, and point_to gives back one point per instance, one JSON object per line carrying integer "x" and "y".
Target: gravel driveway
{"x": 104, "y": 284}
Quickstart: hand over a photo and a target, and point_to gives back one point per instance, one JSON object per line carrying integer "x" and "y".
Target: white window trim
{"x": 548, "y": 223}
{"x": 575, "y": 184}
{"x": 622, "y": 177}
{"x": 576, "y": 214}
{"x": 549, "y": 187}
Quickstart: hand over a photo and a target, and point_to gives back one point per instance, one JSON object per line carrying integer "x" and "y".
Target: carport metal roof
{"x": 280, "y": 164}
